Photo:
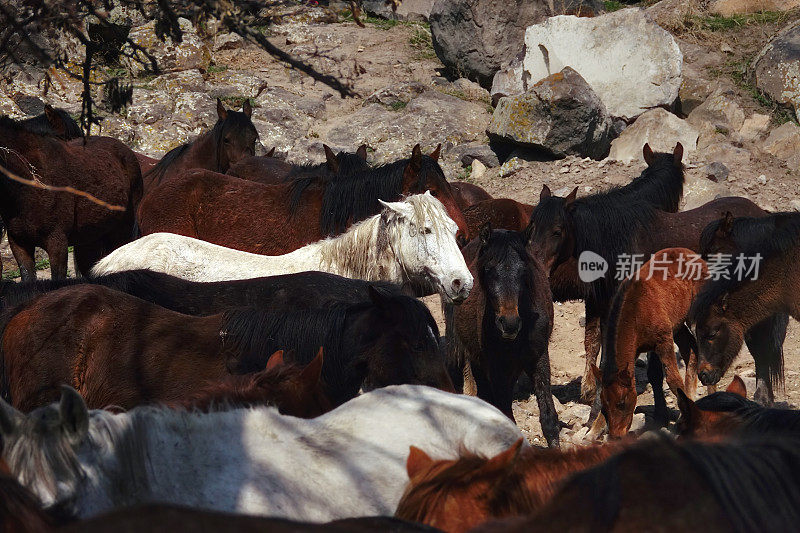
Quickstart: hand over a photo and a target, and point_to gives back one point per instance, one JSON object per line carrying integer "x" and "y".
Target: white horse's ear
{"x": 428, "y": 193}
{"x": 10, "y": 418}
{"x": 395, "y": 207}
{"x": 73, "y": 411}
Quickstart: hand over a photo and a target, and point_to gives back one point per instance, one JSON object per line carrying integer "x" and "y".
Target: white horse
{"x": 349, "y": 462}
{"x": 412, "y": 240}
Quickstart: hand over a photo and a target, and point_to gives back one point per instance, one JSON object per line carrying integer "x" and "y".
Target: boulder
{"x": 700, "y": 190}
{"x": 721, "y": 111}
{"x": 467, "y": 153}
{"x": 470, "y": 90}
{"x": 716, "y": 171}
{"x": 474, "y": 38}
{"x": 777, "y": 68}
{"x": 410, "y": 10}
{"x": 561, "y": 115}
{"x": 726, "y": 8}
{"x": 149, "y": 106}
{"x": 634, "y": 64}
{"x": 784, "y": 143}
{"x": 510, "y": 80}
{"x": 397, "y": 93}
{"x": 754, "y": 127}
{"x": 190, "y": 53}
{"x": 228, "y": 41}
{"x": 659, "y": 128}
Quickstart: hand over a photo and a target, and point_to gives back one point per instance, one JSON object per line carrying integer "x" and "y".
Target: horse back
{"x": 266, "y": 170}
{"x": 501, "y": 213}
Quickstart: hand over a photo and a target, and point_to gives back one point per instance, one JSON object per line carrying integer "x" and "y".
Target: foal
{"x": 648, "y": 313}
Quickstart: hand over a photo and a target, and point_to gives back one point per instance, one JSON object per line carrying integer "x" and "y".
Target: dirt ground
{"x": 376, "y": 57}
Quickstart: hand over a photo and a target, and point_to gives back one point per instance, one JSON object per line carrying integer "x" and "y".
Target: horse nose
{"x": 509, "y": 326}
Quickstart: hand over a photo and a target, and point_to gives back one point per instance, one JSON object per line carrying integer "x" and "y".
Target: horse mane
{"x": 747, "y": 231}
{"x": 355, "y": 197}
{"x": 20, "y": 510}
{"x": 784, "y": 238}
{"x": 158, "y": 171}
{"x": 754, "y": 419}
{"x": 608, "y": 362}
{"x": 660, "y": 184}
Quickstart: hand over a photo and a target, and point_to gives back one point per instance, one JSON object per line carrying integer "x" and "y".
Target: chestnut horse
{"x": 232, "y": 138}
{"x": 34, "y": 217}
{"x": 294, "y": 390}
{"x": 119, "y": 350}
{"x": 662, "y": 485}
{"x": 457, "y": 495}
{"x": 467, "y": 194}
{"x": 277, "y": 219}
{"x": 505, "y": 326}
{"x": 728, "y": 308}
{"x": 648, "y": 313}
{"x": 271, "y": 171}
{"x": 731, "y": 235}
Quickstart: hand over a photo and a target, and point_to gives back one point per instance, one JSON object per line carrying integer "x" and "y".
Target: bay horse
{"x": 292, "y": 389}
{"x": 271, "y": 171}
{"x": 349, "y": 462}
{"x": 731, "y": 235}
{"x": 664, "y": 485}
{"x": 468, "y": 194}
{"x": 505, "y": 327}
{"x": 409, "y": 241}
{"x": 728, "y": 308}
{"x": 615, "y": 225}
{"x": 648, "y": 313}
{"x": 119, "y": 350}
{"x": 722, "y": 415}
{"x": 232, "y": 138}
{"x": 33, "y": 217}
{"x": 517, "y": 481}
{"x": 277, "y": 219}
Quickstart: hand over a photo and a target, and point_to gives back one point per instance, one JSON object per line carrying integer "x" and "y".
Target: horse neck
{"x": 626, "y": 339}
{"x": 203, "y": 153}
{"x": 774, "y": 291}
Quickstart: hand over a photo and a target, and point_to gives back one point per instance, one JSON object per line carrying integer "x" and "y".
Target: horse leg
{"x": 655, "y": 375}
{"x": 685, "y": 341}
{"x": 86, "y": 255}
{"x": 501, "y": 376}
{"x": 666, "y": 352}
{"x": 591, "y": 344}
{"x": 25, "y": 259}
{"x": 57, "y": 252}
{"x": 765, "y": 342}
{"x": 540, "y": 377}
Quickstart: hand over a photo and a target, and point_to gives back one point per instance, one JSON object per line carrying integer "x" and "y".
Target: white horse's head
{"x": 423, "y": 239}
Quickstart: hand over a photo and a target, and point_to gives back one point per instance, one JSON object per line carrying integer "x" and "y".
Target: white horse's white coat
{"x": 412, "y": 240}
{"x": 349, "y": 462}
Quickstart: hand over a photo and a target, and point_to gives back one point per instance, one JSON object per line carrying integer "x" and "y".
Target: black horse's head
{"x": 235, "y": 135}
{"x": 553, "y": 235}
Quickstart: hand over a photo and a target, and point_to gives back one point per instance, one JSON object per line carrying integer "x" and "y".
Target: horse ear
{"x": 73, "y": 412}
{"x": 416, "y": 158}
{"x": 435, "y": 154}
{"x": 527, "y": 233}
{"x": 677, "y": 155}
{"x": 737, "y": 387}
{"x": 10, "y": 418}
{"x": 222, "y": 114}
{"x": 504, "y": 460}
{"x": 312, "y": 373}
{"x": 417, "y": 461}
{"x": 377, "y": 296}
{"x": 570, "y": 199}
{"x": 545, "y": 193}
{"x": 689, "y": 411}
{"x": 55, "y": 120}
{"x": 362, "y": 152}
{"x": 247, "y": 109}
{"x": 330, "y": 157}
{"x": 485, "y": 233}
{"x": 271, "y": 153}
{"x": 275, "y": 360}
{"x": 647, "y": 154}
{"x": 726, "y": 226}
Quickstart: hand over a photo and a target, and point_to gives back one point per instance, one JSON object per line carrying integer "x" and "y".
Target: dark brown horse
{"x": 231, "y": 139}
{"x": 504, "y": 328}
{"x": 271, "y": 171}
{"x": 277, "y": 219}
{"x": 729, "y": 307}
{"x": 34, "y": 217}
{"x": 119, "y": 350}
{"x": 467, "y": 194}
{"x": 54, "y": 122}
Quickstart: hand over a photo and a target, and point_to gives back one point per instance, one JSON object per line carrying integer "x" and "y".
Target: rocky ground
{"x": 744, "y": 145}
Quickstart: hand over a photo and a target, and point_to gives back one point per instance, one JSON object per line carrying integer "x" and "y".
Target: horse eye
{"x": 434, "y": 193}
{"x": 557, "y": 233}
{"x": 621, "y": 404}
{"x": 427, "y": 231}
{"x": 226, "y": 141}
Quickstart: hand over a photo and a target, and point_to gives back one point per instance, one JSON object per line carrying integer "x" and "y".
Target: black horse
{"x": 504, "y": 327}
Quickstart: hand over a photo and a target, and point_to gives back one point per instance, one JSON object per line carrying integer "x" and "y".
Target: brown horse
{"x": 667, "y": 486}
{"x": 232, "y": 138}
{"x": 294, "y": 390}
{"x": 34, "y": 217}
{"x": 271, "y": 171}
{"x": 726, "y": 309}
{"x": 116, "y": 349}
{"x": 467, "y": 194}
{"x": 648, "y": 313}
{"x": 457, "y": 495}
{"x": 277, "y": 219}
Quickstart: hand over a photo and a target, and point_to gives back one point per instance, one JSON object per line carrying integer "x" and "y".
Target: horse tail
{"x": 765, "y": 342}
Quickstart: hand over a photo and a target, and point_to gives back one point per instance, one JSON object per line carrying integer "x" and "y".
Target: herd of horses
{"x": 244, "y": 348}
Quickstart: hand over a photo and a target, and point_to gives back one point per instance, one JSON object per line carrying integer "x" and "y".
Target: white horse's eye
{"x": 427, "y": 231}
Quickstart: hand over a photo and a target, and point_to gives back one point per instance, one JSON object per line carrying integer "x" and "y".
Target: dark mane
{"x": 354, "y": 198}
{"x": 303, "y": 176}
{"x": 780, "y": 241}
{"x": 746, "y": 231}
{"x": 41, "y": 126}
{"x": 158, "y": 171}
{"x": 755, "y": 483}
{"x": 660, "y": 184}
{"x": 755, "y": 419}
{"x": 608, "y": 363}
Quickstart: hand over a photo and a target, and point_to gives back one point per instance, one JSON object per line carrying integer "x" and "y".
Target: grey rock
{"x": 561, "y": 115}
{"x": 777, "y": 67}
{"x": 409, "y": 10}
{"x": 402, "y": 92}
{"x": 177, "y": 82}
{"x": 228, "y": 41}
{"x": 149, "y": 106}
{"x": 700, "y": 190}
{"x": 721, "y": 111}
{"x": 716, "y": 171}
{"x": 510, "y": 80}
{"x": 659, "y": 128}
{"x": 190, "y": 53}
{"x": 467, "y": 153}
